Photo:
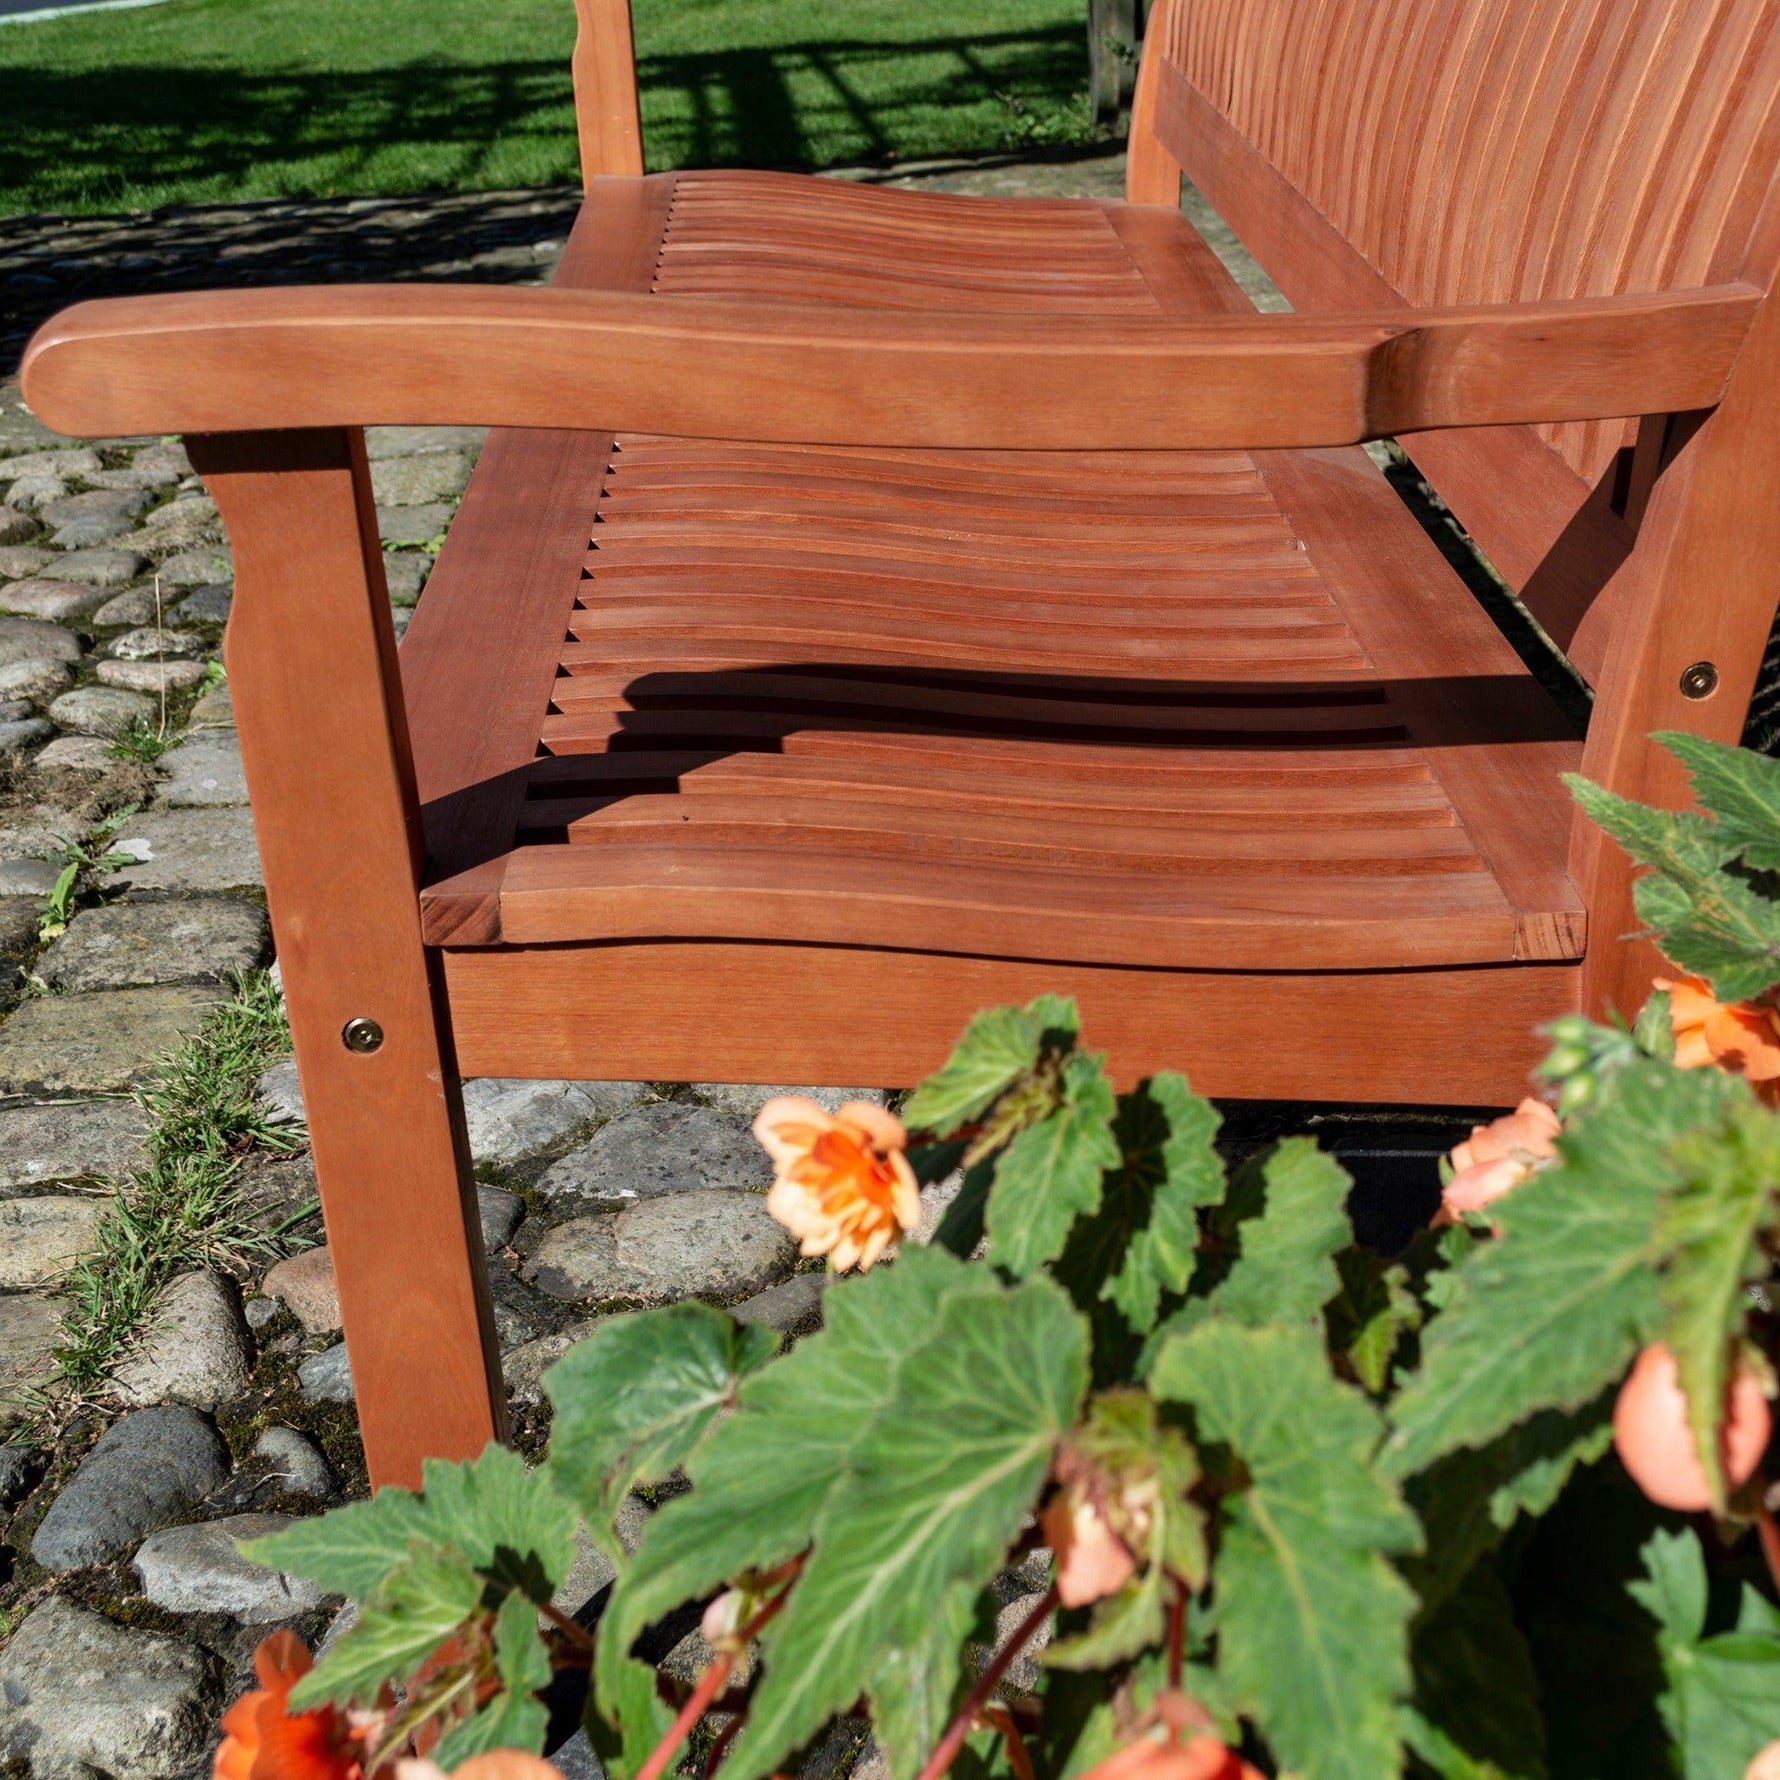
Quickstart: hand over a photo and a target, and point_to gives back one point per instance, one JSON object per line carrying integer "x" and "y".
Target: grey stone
{"x": 575, "y": 1760}
{"x": 13, "y": 710}
{"x": 88, "y": 530}
{"x": 745, "y": 1100}
{"x": 169, "y": 456}
{"x": 31, "y": 639}
{"x": 15, "y": 527}
{"x": 18, "y": 923}
{"x": 190, "y": 850}
{"x": 101, "y": 710}
{"x": 97, "y": 1044}
{"x": 70, "y": 1141}
{"x": 399, "y": 619}
{"x": 1021, "y": 1675}
{"x": 500, "y": 1213}
{"x": 81, "y": 1697}
{"x": 514, "y": 1121}
{"x": 20, "y": 561}
{"x": 196, "y": 1349}
{"x": 40, "y": 1237}
{"x": 147, "y": 1470}
{"x": 30, "y": 1333}
{"x": 295, "y": 1465}
{"x": 261, "y": 1311}
{"x": 77, "y": 754}
{"x": 197, "y": 568}
{"x": 414, "y": 481}
{"x": 148, "y": 644}
{"x": 50, "y": 599}
{"x": 154, "y": 677}
{"x": 37, "y": 676}
{"x": 28, "y": 877}
{"x": 936, "y": 1201}
{"x": 181, "y": 524}
{"x": 200, "y": 1569}
{"x": 134, "y": 477}
{"x": 521, "y": 1313}
{"x": 792, "y": 1307}
{"x": 524, "y": 1367}
{"x": 327, "y": 1376}
{"x": 206, "y": 605}
{"x": 666, "y": 1147}
{"x": 102, "y": 568}
{"x": 592, "y": 1570}
{"x": 411, "y": 441}
{"x": 26, "y": 733}
{"x": 16, "y": 1465}
{"x": 280, "y": 1094}
{"x": 685, "y": 1245}
{"x": 76, "y": 460}
{"x": 31, "y": 492}
{"x": 206, "y": 770}
{"x": 134, "y": 606}
{"x": 215, "y": 710}
{"x": 109, "y": 503}
{"x": 405, "y": 573}
{"x": 413, "y": 525}
{"x": 205, "y": 939}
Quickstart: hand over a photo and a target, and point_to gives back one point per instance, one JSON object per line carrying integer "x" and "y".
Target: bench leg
{"x": 324, "y": 738}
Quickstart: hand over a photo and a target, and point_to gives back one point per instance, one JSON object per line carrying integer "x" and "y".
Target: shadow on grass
{"x": 106, "y": 138}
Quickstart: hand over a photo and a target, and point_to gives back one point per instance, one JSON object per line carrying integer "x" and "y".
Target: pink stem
{"x": 946, "y": 1752}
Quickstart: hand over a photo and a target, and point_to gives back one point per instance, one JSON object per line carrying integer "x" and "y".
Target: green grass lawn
{"x": 200, "y": 100}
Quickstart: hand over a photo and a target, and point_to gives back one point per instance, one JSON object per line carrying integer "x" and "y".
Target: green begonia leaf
{"x": 1287, "y": 1212}
{"x": 1050, "y": 1174}
{"x": 1740, "y": 787}
{"x": 1708, "y": 1229}
{"x": 514, "y": 1718}
{"x": 998, "y": 1048}
{"x": 422, "y": 1602}
{"x": 1312, "y": 1619}
{"x": 914, "y": 1686}
{"x": 939, "y": 1486}
{"x": 506, "y": 1521}
{"x": 635, "y": 1397}
{"x": 1552, "y": 1313}
{"x": 761, "y": 1477}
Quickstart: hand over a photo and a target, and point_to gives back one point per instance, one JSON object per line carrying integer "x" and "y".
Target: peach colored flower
{"x": 1497, "y": 1157}
{"x": 1737, "y": 1037}
{"x": 1197, "y": 1758}
{"x": 264, "y": 1740}
{"x": 494, "y": 1764}
{"x": 841, "y": 1182}
{"x": 1092, "y": 1560}
{"x": 1766, "y": 1765}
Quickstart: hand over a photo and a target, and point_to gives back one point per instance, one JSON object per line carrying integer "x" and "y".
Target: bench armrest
{"x": 809, "y": 374}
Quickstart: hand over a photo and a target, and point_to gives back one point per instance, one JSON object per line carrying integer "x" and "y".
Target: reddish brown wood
{"x": 334, "y": 808}
{"x": 608, "y": 120}
{"x": 666, "y": 1010}
{"x": 402, "y": 354}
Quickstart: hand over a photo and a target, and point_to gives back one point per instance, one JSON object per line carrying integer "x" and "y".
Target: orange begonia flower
{"x": 841, "y": 1183}
{"x": 1497, "y": 1157}
{"x": 264, "y": 1740}
{"x": 1737, "y": 1037}
{"x": 1092, "y": 1560}
{"x": 1197, "y": 1758}
{"x": 495, "y": 1764}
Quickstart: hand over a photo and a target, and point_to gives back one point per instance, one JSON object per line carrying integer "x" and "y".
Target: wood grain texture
{"x": 608, "y": 121}
{"x": 667, "y": 1011}
{"x": 832, "y": 374}
{"x": 312, "y": 660}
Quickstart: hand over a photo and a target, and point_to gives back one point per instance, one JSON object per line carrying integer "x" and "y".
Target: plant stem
{"x": 1770, "y": 1539}
{"x": 720, "y": 1748}
{"x": 709, "y": 1685}
{"x": 946, "y": 1752}
{"x": 578, "y": 1635}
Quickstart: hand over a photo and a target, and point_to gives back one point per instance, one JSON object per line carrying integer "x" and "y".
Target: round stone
{"x": 101, "y": 710}
{"x": 305, "y": 1285}
{"x": 294, "y": 1465}
{"x": 36, "y": 676}
{"x": 40, "y": 1237}
{"x": 201, "y": 1569}
{"x": 15, "y": 527}
{"x": 148, "y": 644}
{"x": 23, "y": 733}
{"x": 196, "y": 1349}
{"x": 51, "y": 599}
{"x": 151, "y": 676}
{"x": 28, "y": 877}
{"x": 669, "y": 1146}
{"x": 327, "y": 1377}
{"x": 32, "y": 639}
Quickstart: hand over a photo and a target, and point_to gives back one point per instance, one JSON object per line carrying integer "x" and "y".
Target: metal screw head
{"x": 361, "y": 1035}
{"x": 1700, "y": 680}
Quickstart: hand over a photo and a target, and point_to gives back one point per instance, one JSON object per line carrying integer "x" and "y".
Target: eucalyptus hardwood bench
{"x": 874, "y": 605}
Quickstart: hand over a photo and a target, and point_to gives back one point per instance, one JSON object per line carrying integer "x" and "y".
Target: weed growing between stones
{"x": 184, "y": 1208}
{"x": 142, "y": 741}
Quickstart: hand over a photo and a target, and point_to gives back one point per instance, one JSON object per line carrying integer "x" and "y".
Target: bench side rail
{"x": 234, "y": 361}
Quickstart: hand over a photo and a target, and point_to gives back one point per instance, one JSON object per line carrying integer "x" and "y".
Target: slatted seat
{"x": 874, "y": 605}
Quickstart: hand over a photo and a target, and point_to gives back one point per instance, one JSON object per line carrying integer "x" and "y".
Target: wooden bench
{"x": 876, "y": 604}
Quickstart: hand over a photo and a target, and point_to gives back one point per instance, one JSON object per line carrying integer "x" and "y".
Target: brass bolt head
{"x": 362, "y": 1035}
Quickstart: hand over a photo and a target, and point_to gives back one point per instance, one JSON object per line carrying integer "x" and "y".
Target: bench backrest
{"x": 1487, "y": 151}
